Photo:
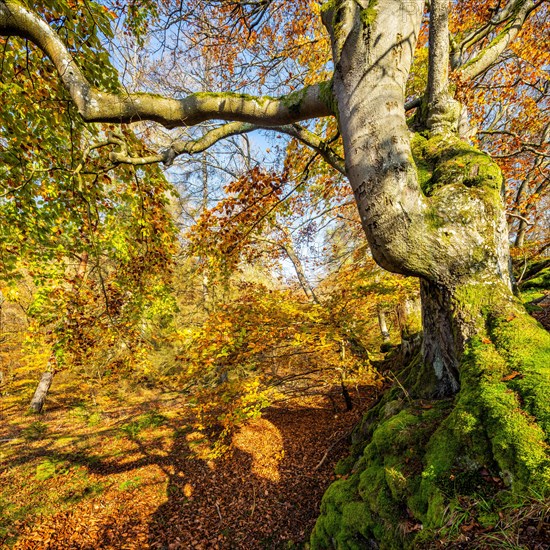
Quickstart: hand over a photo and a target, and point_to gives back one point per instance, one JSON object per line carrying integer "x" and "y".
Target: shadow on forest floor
{"x": 138, "y": 477}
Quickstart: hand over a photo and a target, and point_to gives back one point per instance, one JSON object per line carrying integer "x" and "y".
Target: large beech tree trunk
{"x": 485, "y": 363}
{"x": 452, "y": 231}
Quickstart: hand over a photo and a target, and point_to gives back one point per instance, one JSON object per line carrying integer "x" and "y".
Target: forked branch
{"x": 513, "y": 16}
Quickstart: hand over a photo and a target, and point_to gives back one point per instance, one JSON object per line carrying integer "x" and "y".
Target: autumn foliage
{"x": 192, "y": 336}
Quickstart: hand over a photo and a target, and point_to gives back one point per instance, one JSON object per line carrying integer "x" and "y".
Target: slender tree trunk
{"x": 519, "y": 241}
{"x": 383, "y": 326}
{"x": 41, "y": 392}
{"x": 204, "y": 260}
{"x": 300, "y": 273}
{"x": 347, "y": 397}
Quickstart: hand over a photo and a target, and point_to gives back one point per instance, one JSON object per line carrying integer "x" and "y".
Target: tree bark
{"x": 41, "y": 392}
{"x": 372, "y": 59}
{"x": 440, "y": 346}
{"x": 383, "y": 326}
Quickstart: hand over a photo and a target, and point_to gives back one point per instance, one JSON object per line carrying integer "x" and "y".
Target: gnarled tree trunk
{"x": 485, "y": 364}
{"x": 450, "y": 231}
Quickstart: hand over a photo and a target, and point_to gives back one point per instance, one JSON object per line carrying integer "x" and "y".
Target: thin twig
{"x": 340, "y": 439}
{"x": 519, "y": 217}
{"x": 219, "y": 513}
{"x": 400, "y": 385}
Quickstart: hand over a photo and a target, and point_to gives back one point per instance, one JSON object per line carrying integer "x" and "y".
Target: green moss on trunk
{"x": 328, "y": 97}
{"x": 445, "y": 159}
{"x": 417, "y": 461}
{"x": 368, "y": 15}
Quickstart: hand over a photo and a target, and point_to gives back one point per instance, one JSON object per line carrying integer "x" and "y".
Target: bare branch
{"x": 227, "y": 130}
{"x": 519, "y": 217}
{"x": 540, "y": 149}
{"x": 316, "y": 143}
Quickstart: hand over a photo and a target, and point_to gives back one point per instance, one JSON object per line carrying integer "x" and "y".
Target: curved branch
{"x": 317, "y": 144}
{"x": 97, "y": 106}
{"x": 227, "y": 130}
{"x": 519, "y": 217}
{"x": 181, "y": 147}
{"x": 476, "y": 35}
{"x": 516, "y": 13}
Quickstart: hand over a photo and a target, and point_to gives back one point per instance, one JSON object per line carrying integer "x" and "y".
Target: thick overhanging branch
{"x": 513, "y": 16}
{"x": 227, "y": 130}
{"x": 97, "y": 106}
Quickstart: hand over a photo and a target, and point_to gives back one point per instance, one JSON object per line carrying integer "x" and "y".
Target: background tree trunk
{"x": 41, "y": 392}
{"x": 385, "y": 333}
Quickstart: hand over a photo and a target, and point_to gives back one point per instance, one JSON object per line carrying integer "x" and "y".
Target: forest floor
{"x": 123, "y": 468}
{"x": 129, "y": 472}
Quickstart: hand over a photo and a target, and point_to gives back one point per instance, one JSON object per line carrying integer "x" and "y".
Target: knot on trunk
{"x": 443, "y": 116}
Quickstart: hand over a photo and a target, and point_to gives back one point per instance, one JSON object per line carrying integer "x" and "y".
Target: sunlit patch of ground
{"x": 128, "y": 471}
{"x": 263, "y": 441}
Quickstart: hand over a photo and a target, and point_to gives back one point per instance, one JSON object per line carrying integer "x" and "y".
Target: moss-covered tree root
{"x": 417, "y": 462}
